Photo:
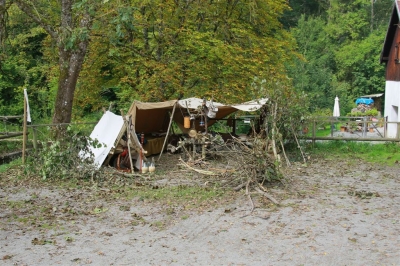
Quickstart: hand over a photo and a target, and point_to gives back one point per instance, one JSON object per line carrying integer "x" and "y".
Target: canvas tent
{"x": 106, "y": 132}
{"x": 153, "y": 120}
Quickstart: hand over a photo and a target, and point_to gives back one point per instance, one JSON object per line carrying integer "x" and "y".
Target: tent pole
{"x": 169, "y": 126}
{"x": 129, "y": 144}
{"x": 128, "y": 132}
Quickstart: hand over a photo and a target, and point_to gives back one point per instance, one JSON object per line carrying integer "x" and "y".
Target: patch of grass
{"x": 5, "y": 167}
{"x": 385, "y": 153}
{"x": 23, "y": 219}
{"x": 18, "y": 204}
{"x": 10, "y": 146}
{"x": 193, "y": 195}
{"x": 158, "y": 224}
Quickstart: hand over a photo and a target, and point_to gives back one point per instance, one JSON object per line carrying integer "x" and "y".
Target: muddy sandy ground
{"x": 334, "y": 212}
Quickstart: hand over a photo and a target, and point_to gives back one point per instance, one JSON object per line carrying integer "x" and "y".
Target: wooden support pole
{"x": 203, "y": 149}
{"x": 128, "y": 132}
{"x": 35, "y": 145}
{"x": 398, "y": 131}
{"x": 24, "y": 132}
{"x": 129, "y": 147}
{"x": 314, "y": 132}
{"x": 167, "y": 135}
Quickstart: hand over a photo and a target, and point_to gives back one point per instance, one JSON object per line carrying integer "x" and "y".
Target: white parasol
{"x": 336, "y": 112}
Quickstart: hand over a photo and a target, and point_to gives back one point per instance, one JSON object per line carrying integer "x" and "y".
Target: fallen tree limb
{"x": 249, "y": 196}
{"x": 204, "y": 172}
{"x": 267, "y": 195}
{"x": 125, "y": 174}
{"x": 239, "y": 187}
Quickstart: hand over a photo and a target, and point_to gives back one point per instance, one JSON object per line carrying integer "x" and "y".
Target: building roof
{"x": 391, "y": 31}
{"x": 377, "y": 95}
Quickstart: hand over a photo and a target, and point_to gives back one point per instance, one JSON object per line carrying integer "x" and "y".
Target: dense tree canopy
{"x": 172, "y": 49}
{"x": 156, "y": 50}
{"x": 341, "y": 46}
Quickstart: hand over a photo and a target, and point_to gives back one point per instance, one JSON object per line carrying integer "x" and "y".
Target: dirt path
{"x": 335, "y": 212}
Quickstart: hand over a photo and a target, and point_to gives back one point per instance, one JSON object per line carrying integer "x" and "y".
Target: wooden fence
{"x": 10, "y": 134}
{"x": 340, "y": 128}
{"x": 349, "y": 129}
{"x": 25, "y": 133}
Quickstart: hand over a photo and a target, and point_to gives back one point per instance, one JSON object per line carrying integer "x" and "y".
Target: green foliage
{"x": 358, "y": 64}
{"x": 371, "y": 112}
{"x": 13, "y": 163}
{"x": 159, "y": 50}
{"x": 313, "y": 72}
{"x": 22, "y": 65}
{"x": 321, "y": 117}
{"x": 180, "y": 49}
{"x": 69, "y": 158}
{"x": 286, "y": 108}
{"x": 307, "y": 8}
{"x": 348, "y": 20}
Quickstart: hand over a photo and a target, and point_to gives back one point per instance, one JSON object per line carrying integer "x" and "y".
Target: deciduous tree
{"x": 199, "y": 48}
{"x": 69, "y": 24}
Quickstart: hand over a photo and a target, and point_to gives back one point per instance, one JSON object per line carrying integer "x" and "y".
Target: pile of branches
{"x": 248, "y": 164}
{"x": 256, "y": 161}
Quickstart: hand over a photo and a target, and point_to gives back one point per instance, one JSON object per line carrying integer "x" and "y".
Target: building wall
{"x": 392, "y": 103}
{"x": 393, "y": 63}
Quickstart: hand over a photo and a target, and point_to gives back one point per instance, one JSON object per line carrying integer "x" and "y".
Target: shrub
{"x": 66, "y": 158}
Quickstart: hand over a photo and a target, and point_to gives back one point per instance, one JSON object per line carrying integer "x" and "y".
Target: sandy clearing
{"x": 335, "y": 212}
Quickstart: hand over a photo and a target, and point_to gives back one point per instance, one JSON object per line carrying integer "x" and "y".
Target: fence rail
{"x": 321, "y": 128}
{"x": 351, "y": 129}
{"x": 10, "y": 117}
{"x": 34, "y": 130}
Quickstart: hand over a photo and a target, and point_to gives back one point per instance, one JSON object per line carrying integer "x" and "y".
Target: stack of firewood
{"x": 362, "y": 107}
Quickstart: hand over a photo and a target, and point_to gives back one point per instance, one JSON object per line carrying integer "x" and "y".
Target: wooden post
{"x": 169, "y": 127}
{"x": 364, "y": 130}
{"x": 141, "y": 151}
{"x": 128, "y": 132}
{"x": 35, "y": 145}
{"x": 385, "y": 126}
{"x": 313, "y": 132}
{"x": 129, "y": 144}
{"x": 194, "y": 148}
{"x": 203, "y": 149}
{"x": 24, "y": 139}
{"x": 398, "y": 130}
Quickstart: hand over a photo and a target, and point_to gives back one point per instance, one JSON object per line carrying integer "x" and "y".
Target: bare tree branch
{"x": 30, "y": 10}
{"x": 3, "y": 28}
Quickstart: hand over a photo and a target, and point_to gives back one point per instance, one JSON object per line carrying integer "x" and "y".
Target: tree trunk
{"x": 72, "y": 50}
{"x": 70, "y": 62}
{"x": 3, "y": 31}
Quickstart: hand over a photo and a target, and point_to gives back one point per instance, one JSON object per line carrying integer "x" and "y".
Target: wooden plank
{"x": 63, "y": 124}
{"x": 8, "y": 133}
{"x": 11, "y": 117}
{"x": 11, "y": 135}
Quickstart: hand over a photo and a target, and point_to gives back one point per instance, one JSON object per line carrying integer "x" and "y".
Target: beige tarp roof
{"x": 155, "y": 117}
{"x": 150, "y": 117}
